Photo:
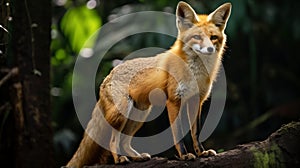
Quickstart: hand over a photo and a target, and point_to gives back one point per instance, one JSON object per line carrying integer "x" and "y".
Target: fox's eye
{"x": 197, "y": 37}
{"x": 213, "y": 37}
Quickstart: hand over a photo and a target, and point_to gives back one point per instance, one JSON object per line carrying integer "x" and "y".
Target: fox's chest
{"x": 197, "y": 82}
{"x": 186, "y": 89}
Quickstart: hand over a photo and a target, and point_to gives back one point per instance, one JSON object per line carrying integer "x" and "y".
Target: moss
{"x": 288, "y": 127}
{"x": 271, "y": 158}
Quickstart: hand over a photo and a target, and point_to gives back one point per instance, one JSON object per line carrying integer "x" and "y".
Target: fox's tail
{"x": 89, "y": 152}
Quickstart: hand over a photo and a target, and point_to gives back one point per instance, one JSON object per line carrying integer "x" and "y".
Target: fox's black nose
{"x": 210, "y": 49}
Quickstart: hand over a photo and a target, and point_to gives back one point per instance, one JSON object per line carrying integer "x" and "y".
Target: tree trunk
{"x": 281, "y": 149}
{"x": 25, "y": 88}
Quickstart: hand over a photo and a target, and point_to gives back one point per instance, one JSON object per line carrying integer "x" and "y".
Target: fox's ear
{"x": 220, "y": 16}
{"x": 185, "y": 16}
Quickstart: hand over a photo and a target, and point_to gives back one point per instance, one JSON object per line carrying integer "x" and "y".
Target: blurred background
{"x": 261, "y": 63}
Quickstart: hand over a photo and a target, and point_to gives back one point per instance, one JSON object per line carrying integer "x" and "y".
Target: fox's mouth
{"x": 203, "y": 50}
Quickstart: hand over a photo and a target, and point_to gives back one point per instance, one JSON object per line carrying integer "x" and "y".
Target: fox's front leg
{"x": 195, "y": 130}
{"x": 173, "y": 111}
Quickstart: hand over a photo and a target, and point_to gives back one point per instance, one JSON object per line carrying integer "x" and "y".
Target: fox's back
{"x": 124, "y": 72}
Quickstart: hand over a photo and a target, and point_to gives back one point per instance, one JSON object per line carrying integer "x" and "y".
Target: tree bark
{"x": 25, "y": 89}
{"x": 280, "y": 149}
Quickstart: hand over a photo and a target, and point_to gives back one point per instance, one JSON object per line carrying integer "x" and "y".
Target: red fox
{"x": 186, "y": 70}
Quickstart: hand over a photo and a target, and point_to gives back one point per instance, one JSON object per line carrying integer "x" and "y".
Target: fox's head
{"x": 202, "y": 34}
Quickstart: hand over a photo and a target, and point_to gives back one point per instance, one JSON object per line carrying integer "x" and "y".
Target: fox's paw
{"x": 146, "y": 156}
{"x": 142, "y": 157}
{"x": 122, "y": 160}
{"x": 188, "y": 156}
{"x": 208, "y": 153}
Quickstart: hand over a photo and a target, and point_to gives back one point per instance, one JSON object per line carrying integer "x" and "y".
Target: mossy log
{"x": 280, "y": 149}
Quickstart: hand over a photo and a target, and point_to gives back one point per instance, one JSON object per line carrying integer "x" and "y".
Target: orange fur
{"x": 195, "y": 56}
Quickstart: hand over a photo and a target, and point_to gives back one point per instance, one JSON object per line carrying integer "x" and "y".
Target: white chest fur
{"x": 202, "y": 75}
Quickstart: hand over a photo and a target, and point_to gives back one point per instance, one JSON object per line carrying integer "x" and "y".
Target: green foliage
{"x": 78, "y": 24}
{"x": 69, "y": 34}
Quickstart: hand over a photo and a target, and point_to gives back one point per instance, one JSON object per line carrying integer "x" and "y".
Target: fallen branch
{"x": 280, "y": 149}
{"x": 10, "y": 74}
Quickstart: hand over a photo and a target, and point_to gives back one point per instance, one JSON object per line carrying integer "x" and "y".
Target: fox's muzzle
{"x": 203, "y": 50}
{"x": 204, "y": 46}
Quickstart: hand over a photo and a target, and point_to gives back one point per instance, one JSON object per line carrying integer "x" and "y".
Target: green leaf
{"x": 78, "y": 24}
{"x": 60, "y": 54}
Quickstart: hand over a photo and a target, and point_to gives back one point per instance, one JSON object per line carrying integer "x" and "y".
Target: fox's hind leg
{"x": 130, "y": 129}
{"x": 116, "y": 116}
{"x": 115, "y": 148}
{"x": 122, "y": 143}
